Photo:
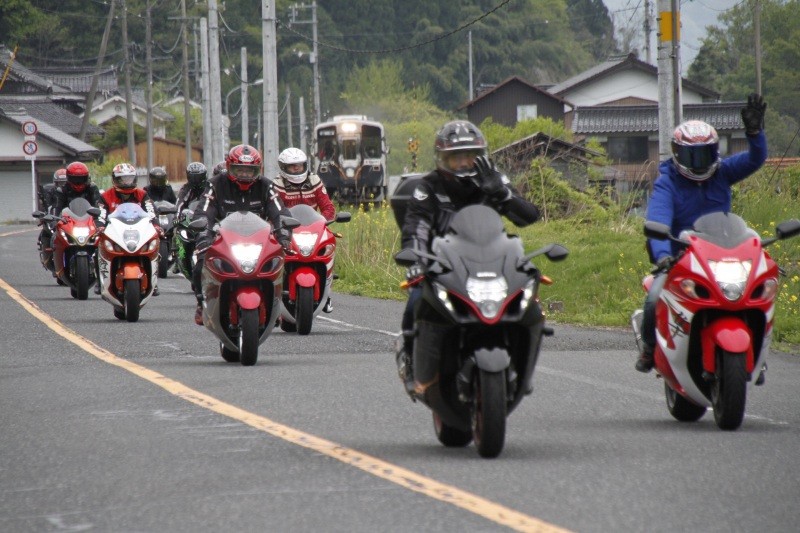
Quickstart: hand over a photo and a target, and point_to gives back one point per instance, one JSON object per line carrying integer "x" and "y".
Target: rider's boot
{"x": 198, "y": 313}
{"x": 646, "y": 361}
{"x": 328, "y": 307}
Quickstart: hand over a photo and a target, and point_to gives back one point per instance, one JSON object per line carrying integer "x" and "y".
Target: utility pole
{"x": 647, "y": 31}
{"x": 128, "y": 92}
{"x": 471, "y": 87}
{"x": 215, "y": 91}
{"x": 208, "y": 155}
{"x": 757, "y": 38}
{"x": 245, "y": 108}
{"x": 289, "y": 132}
{"x": 301, "y": 115}
{"x": 149, "y": 89}
{"x": 669, "y": 77}
{"x": 314, "y": 54}
{"x": 93, "y": 88}
{"x": 270, "y": 91}
{"x": 187, "y": 108}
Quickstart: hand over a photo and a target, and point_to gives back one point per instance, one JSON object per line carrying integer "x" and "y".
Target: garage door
{"x": 16, "y": 202}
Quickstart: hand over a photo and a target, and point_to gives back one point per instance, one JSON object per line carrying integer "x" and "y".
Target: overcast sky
{"x": 696, "y": 15}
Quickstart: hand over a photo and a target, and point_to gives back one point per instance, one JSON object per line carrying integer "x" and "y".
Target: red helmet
{"x": 60, "y": 177}
{"x": 695, "y": 150}
{"x": 244, "y": 165}
{"x": 77, "y": 176}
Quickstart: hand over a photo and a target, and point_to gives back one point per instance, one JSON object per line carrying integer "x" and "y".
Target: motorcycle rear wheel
{"x": 304, "y": 310}
{"x": 680, "y": 408}
{"x": 230, "y": 356}
{"x": 163, "y": 259}
{"x": 489, "y": 412}
{"x": 450, "y": 436}
{"x": 132, "y": 299}
{"x": 729, "y": 390}
{"x": 248, "y": 336}
{"x": 82, "y": 277}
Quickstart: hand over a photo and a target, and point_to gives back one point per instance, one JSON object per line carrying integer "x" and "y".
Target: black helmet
{"x": 196, "y": 175}
{"x": 457, "y": 145}
{"x": 220, "y": 168}
{"x": 158, "y": 177}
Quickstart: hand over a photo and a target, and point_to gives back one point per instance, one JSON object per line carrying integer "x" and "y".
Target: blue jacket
{"x": 677, "y": 201}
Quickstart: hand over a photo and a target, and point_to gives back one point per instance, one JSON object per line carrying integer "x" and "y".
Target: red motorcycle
{"x": 309, "y": 270}
{"x": 242, "y": 282}
{"x": 714, "y": 317}
{"x": 75, "y": 246}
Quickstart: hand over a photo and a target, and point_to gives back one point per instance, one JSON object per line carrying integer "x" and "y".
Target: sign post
{"x": 30, "y": 147}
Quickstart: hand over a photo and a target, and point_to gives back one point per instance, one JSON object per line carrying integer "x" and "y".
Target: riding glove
{"x": 753, "y": 114}
{"x": 491, "y": 180}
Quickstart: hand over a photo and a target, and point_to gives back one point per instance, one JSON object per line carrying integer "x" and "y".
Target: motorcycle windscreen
{"x": 725, "y": 230}
{"x": 243, "y": 223}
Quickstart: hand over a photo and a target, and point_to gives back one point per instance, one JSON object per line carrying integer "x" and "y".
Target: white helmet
{"x": 293, "y": 156}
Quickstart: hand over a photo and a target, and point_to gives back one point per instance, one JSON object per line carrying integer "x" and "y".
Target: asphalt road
{"x": 113, "y": 426}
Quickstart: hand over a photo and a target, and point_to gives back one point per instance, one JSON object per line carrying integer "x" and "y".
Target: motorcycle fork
{"x": 465, "y": 377}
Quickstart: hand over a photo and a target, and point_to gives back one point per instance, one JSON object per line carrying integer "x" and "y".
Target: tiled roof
{"x": 137, "y": 103}
{"x": 43, "y": 109}
{"x": 23, "y": 78}
{"x": 79, "y": 79}
{"x": 644, "y": 118}
{"x": 69, "y": 144}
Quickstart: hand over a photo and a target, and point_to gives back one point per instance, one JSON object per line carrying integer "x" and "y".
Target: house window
{"x": 627, "y": 149}
{"x": 526, "y": 112}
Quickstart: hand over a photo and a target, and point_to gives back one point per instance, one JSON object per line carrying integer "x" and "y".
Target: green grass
{"x": 599, "y": 284}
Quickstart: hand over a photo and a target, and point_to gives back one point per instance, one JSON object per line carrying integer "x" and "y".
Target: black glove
{"x": 286, "y": 244}
{"x": 491, "y": 180}
{"x": 753, "y": 114}
{"x": 665, "y": 263}
{"x": 414, "y": 271}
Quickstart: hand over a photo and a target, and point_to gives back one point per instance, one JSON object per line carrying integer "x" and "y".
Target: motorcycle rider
{"x": 296, "y": 185}
{"x": 47, "y": 195}
{"x": 695, "y": 182}
{"x": 196, "y": 180}
{"x": 240, "y": 188}
{"x": 124, "y": 190}
{"x": 157, "y": 188}
{"x": 464, "y": 176}
{"x": 78, "y": 185}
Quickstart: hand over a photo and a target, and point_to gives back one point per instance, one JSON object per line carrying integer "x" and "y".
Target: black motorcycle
{"x": 479, "y": 325}
{"x": 184, "y": 240}
{"x": 165, "y": 211}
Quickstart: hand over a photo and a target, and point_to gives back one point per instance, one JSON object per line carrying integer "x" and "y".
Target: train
{"x": 350, "y": 153}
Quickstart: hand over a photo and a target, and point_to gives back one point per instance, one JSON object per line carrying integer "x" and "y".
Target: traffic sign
{"x": 30, "y": 147}
{"x": 29, "y": 127}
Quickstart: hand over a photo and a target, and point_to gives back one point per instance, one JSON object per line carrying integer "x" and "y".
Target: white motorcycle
{"x": 128, "y": 260}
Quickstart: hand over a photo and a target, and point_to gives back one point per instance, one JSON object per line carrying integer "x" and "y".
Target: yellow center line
{"x": 405, "y": 478}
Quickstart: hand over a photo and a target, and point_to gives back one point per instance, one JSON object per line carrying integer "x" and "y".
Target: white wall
{"x": 629, "y": 83}
{"x": 16, "y": 203}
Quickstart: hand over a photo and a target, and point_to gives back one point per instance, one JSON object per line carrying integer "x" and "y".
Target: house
{"x": 21, "y": 174}
{"x": 623, "y": 80}
{"x": 515, "y": 100}
{"x": 114, "y": 107}
{"x": 166, "y": 153}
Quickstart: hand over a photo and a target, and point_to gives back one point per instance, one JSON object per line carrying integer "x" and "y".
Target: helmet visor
{"x": 125, "y": 181}
{"x": 78, "y": 180}
{"x": 460, "y": 162}
{"x": 244, "y": 173}
{"x": 697, "y": 159}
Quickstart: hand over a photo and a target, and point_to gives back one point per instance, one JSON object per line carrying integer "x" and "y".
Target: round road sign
{"x": 29, "y": 128}
{"x": 30, "y": 147}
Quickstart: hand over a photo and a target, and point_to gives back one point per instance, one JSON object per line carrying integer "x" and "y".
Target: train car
{"x": 350, "y": 153}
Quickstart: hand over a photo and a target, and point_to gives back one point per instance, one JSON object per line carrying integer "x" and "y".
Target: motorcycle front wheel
{"x": 729, "y": 390}
{"x": 81, "y": 277}
{"x": 489, "y": 412}
{"x": 680, "y": 408}
{"x": 248, "y": 336}
{"x": 132, "y": 299}
{"x": 304, "y": 311}
{"x": 163, "y": 259}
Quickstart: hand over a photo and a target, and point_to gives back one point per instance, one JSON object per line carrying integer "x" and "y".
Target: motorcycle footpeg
{"x": 547, "y": 331}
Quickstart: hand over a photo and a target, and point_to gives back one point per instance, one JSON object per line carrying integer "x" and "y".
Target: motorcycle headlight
{"x": 80, "y": 234}
{"x": 731, "y": 277}
{"x": 489, "y": 294}
{"x": 527, "y": 294}
{"x": 152, "y": 245}
{"x": 163, "y": 220}
{"x": 441, "y": 293}
{"x": 247, "y": 255}
{"x": 305, "y": 242}
{"x": 184, "y": 234}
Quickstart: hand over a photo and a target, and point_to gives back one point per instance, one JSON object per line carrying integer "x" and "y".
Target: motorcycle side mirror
{"x": 38, "y": 214}
{"x": 290, "y": 223}
{"x": 660, "y": 232}
{"x": 94, "y": 211}
{"x": 343, "y": 216}
{"x": 554, "y": 252}
{"x": 787, "y": 229}
{"x": 166, "y": 210}
{"x": 406, "y": 257}
{"x": 198, "y": 225}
